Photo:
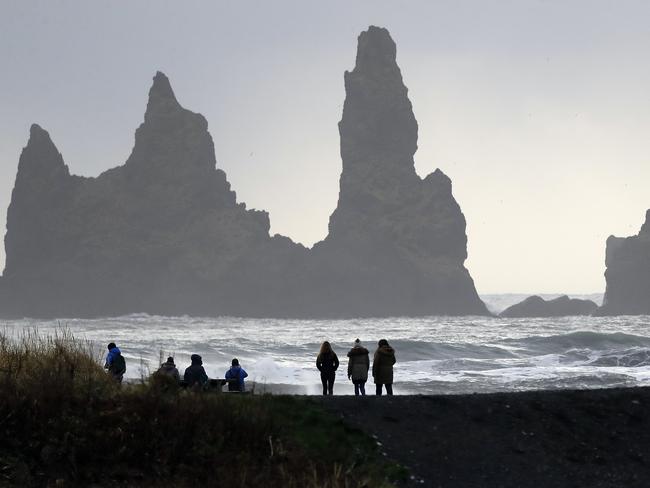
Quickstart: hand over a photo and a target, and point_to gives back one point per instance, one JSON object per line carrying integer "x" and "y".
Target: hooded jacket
{"x": 358, "y": 364}
{"x": 195, "y": 374}
{"x": 238, "y": 373}
{"x": 382, "y": 365}
{"x": 169, "y": 369}
{"x": 114, "y": 366}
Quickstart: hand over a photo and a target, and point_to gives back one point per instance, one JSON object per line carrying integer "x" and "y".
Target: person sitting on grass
{"x": 195, "y": 376}
{"x": 115, "y": 363}
{"x": 168, "y": 368}
{"x": 236, "y": 375}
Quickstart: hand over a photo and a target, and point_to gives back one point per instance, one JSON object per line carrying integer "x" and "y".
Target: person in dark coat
{"x": 115, "y": 363}
{"x": 168, "y": 368}
{"x": 327, "y": 363}
{"x": 195, "y": 374}
{"x": 358, "y": 366}
{"x": 382, "y": 367}
{"x": 236, "y": 372}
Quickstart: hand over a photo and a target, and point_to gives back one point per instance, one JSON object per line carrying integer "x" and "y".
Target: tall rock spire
{"x": 41, "y": 159}
{"x": 43, "y": 190}
{"x": 378, "y": 129}
{"x": 162, "y": 100}
{"x": 400, "y": 238}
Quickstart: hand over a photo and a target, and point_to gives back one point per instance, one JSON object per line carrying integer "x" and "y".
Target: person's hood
{"x": 115, "y": 350}
{"x": 196, "y": 360}
{"x": 235, "y": 368}
{"x": 168, "y": 365}
{"x": 357, "y": 351}
{"x": 387, "y": 350}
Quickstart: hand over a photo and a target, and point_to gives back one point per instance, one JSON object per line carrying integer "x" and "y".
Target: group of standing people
{"x": 327, "y": 363}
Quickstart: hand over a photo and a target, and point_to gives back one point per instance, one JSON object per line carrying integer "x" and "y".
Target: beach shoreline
{"x": 564, "y": 438}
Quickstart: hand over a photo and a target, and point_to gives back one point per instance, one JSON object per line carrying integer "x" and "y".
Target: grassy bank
{"x": 65, "y": 423}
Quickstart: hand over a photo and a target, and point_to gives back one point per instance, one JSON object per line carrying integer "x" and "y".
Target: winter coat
{"x": 382, "y": 365}
{"x": 110, "y": 357}
{"x": 327, "y": 363}
{"x": 238, "y": 373}
{"x": 195, "y": 374}
{"x": 358, "y": 364}
{"x": 169, "y": 369}
{"x": 115, "y": 363}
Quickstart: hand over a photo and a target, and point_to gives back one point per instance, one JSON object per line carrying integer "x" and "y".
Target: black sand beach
{"x": 542, "y": 439}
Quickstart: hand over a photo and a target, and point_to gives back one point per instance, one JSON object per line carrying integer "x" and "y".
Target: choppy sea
{"x": 434, "y": 354}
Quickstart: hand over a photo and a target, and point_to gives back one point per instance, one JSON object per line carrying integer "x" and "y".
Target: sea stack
{"x": 396, "y": 243}
{"x": 164, "y": 233}
{"x": 628, "y": 274}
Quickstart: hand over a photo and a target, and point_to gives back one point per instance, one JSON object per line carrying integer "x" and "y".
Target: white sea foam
{"x": 434, "y": 354}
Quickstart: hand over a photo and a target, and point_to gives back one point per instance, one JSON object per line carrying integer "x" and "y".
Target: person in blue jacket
{"x": 236, "y": 372}
{"x": 115, "y": 363}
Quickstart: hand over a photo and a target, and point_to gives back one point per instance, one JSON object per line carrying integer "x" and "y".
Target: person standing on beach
{"x": 115, "y": 363}
{"x": 358, "y": 366}
{"x": 195, "y": 374}
{"x": 382, "y": 367}
{"x": 236, "y": 375}
{"x": 327, "y": 363}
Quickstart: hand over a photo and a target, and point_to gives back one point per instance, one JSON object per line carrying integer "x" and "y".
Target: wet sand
{"x": 542, "y": 439}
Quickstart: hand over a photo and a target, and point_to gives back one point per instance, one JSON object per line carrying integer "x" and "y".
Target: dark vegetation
{"x": 63, "y": 422}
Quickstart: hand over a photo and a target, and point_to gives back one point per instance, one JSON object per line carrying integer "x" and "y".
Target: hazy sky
{"x": 539, "y": 111}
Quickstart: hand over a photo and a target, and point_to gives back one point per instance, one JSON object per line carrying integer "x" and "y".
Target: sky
{"x": 539, "y": 111}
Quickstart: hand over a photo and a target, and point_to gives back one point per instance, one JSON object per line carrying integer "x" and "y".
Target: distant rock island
{"x": 628, "y": 274}
{"x": 164, "y": 233}
{"x": 562, "y": 306}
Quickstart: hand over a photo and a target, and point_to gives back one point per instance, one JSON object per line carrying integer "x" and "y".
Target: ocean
{"x": 435, "y": 355}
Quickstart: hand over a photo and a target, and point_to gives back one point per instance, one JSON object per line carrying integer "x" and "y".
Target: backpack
{"x": 118, "y": 366}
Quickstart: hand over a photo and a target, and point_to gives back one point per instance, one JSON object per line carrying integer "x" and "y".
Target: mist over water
{"x": 434, "y": 354}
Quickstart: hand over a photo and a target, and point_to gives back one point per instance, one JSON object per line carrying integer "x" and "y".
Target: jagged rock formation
{"x": 628, "y": 274}
{"x": 164, "y": 233}
{"x": 396, "y": 243}
{"x": 159, "y": 234}
{"x": 535, "y": 306}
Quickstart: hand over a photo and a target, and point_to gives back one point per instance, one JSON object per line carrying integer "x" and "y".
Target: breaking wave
{"x": 434, "y": 354}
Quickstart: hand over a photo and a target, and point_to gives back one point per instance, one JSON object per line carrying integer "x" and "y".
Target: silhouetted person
{"x": 168, "y": 368}
{"x": 195, "y": 375}
{"x": 327, "y": 363}
{"x": 236, "y": 372}
{"x": 358, "y": 366}
{"x": 382, "y": 367}
{"x": 115, "y": 363}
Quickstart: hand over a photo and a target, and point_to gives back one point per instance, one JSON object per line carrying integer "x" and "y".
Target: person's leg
{"x": 389, "y": 388}
{"x": 378, "y": 389}
{"x": 362, "y": 387}
{"x": 331, "y": 384}
{"x": 357, "y": 388}
{"x": 323, "y": 380}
